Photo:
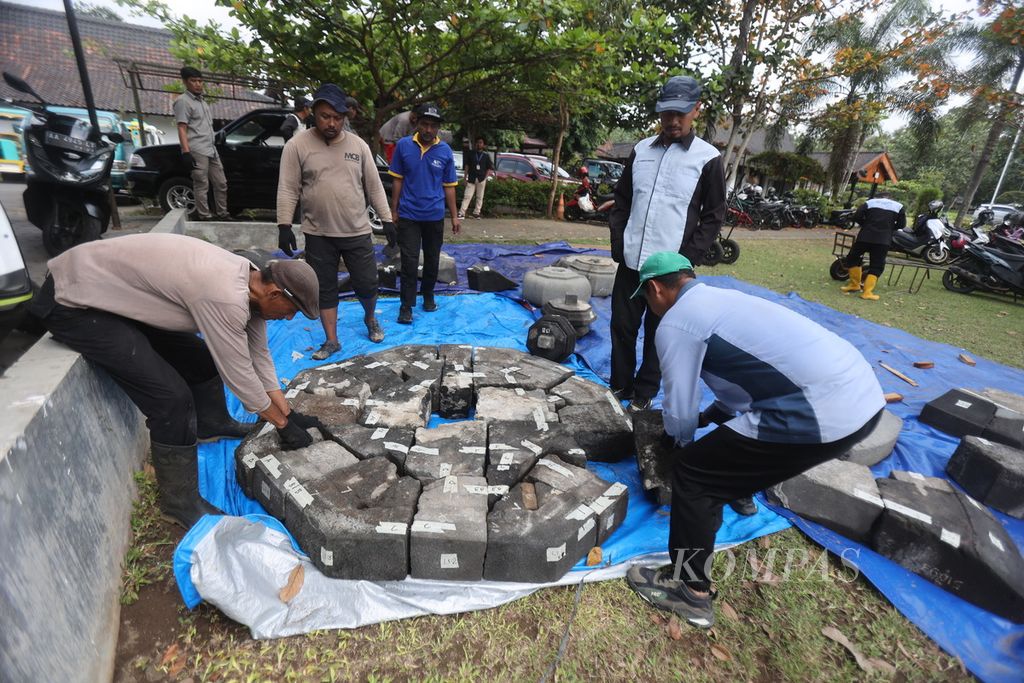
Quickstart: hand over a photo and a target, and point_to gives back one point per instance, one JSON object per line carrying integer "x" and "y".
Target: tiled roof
{"x": 35, "y": 45}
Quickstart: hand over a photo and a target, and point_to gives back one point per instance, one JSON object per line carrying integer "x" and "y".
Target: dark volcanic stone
{"x": 653, "y": 455}
{"x": 990, "y": 472}
{"x": 372, "y": 442}
{"x": 458, "y": 448}
{"x": 958, "y": 413}
{"x": 448, "y": 538}
{"x": 603, "y": 431}
{"x": 455, "y": 396}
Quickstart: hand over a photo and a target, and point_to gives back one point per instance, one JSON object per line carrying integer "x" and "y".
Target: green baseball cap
{"x": 661, "y": 263}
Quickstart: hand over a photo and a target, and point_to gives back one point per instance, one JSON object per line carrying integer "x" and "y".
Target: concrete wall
{"x": 70, "y": 440}
{"x": 231, "y": 236}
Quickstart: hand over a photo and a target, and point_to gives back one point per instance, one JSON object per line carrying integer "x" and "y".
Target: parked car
{"x": 604, "y": 170}
{"x": 12, "y": 155}
{"x": 110, "y": 122}
{"x": 528, "y": 167}
{"x": 999, "y": 211}
{"x": 250, "y": 150}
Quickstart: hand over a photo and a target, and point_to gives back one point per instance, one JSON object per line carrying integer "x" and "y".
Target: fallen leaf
{"x": 294, "y": 585}
{"x": 170, "y": 654}
{"x": 720, "y": 653}
{"x": 764, "y": 542}
{"x": 657, "y": 619}
{"x": 594, "y": 556}
{"x": 866, "y": 664}
{"x": 728, "y": 611}
{"x": 1002, "y": 314}
{"x": 906, "y": 654}
{"x": 176, "y": 668}
{"x": 675, "y": 629}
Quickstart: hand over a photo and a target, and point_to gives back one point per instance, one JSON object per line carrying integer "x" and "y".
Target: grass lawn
{"x": 768, "y": 629}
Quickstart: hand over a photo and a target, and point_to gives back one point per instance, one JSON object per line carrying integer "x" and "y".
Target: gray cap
{"x": 680, "y": 93}
{"x": 298, "y": 282}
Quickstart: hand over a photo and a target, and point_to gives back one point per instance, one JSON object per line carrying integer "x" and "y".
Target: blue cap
{"x": 680, "y": 93}
{"x": 332, "y": 95}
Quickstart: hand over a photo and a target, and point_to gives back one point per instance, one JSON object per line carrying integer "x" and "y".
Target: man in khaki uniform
{"x": 195, "y": 133}
{"x": 334, "y": 175}
{"x": 133, "y": 306}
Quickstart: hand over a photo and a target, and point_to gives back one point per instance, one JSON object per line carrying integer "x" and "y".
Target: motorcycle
{"x": 929, "y": 240}
{"x": 973, "y": 234}
{"x": 16, "y": 287}
{"x": 987, "y": 269}
{"x": 68, "y": 179}
{"x": 583, "y": 208}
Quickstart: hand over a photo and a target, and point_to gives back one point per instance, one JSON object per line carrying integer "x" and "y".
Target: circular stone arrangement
{"x": 503, "y": 497}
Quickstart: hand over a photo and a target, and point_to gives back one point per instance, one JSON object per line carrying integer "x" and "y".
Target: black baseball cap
{"x": 680, "y": 93}
{"x": 429, "y": 110}
{"x": 332, "y": 95}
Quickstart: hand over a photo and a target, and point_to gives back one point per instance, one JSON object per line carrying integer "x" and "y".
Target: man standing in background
{"x": 394, "y": 129}
{"x": 334, "y": 175}
{"x": 478, "y": 169}
{"x": 878, "y": 218}
{"x": 195, "y": 134}
{"x": 425, "y": 180}
{"x": 295, "y": 121}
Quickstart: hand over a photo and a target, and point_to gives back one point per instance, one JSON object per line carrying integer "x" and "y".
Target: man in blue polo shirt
{"x": 425, "y": 180}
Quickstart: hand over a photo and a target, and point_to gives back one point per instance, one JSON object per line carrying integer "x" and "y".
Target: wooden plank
{"x": 898, "y": 374}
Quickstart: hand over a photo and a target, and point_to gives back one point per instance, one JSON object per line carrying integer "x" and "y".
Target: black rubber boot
{"x": 177, "y": 479}
{"x": 212, "y": 419}
{"x": 744, "y": 506}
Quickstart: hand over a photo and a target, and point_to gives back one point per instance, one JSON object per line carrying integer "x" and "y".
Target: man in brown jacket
{"x": 334, "y": 174}
{"x": 133, "y": 306}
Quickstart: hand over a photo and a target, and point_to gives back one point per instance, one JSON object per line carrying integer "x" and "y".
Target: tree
{"x": 89, "y": 9}
{"x": 995, "y": 76}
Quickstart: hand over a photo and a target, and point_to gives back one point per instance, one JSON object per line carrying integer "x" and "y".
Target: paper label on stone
{"x": 615, "y": 489}
{"x": 272, "y": 465}
{"x": 302, "y": 387}
{"x": 376, "y": 364}
{"x": 421, "y": 365}
{"x": 249, "y": 460}
{"x": 432, "y": 527}
{"x": 298, "y": 492}
{"x": 918, "y": 476}
{"x": 449, "y": 561}
{"x": 502, "y": 447}
{"x": 585, "y": 529}
{"x": 577, "y": 451}
{"x": 350, "y": 402}
{"x": 451, "y": 484}
{"x": 374, "y": 402}
{"x": 908, "y": 512}
{"x": 609, "y": 523}
{"x": 473, "y": 450}
{"x": 520, "y": 391}
{"x": 266, "y": 429}
{"x": 479, "y": 490}
{"x": 265, "y": 489}
{"x": 426, "y": 450}
{"x": 538, "y": 417}
{"x": 379, "y": 433}
{"x": 416, "y": 388}
{"x": 615, "y": 404}
{"x": 996, "y": 542}
{"x": 867, "y": 497}
{"x": 475, "y": 374}
{"x": 392, "y": 446}
{"x": 963, "y": 404}
{"x": 950, "y": 537}
{"x": 581, "y": 512}
{"x": 510, "y": 379}
{"x": 601, "y": 504}
{"x": 331, "y": 366}
{"x": 537, "y": 450}
{"x": 292, "y": 393}
{"x": 444, "y": 469}
{"x": 556, "y": 554}
{"x": 393, "y": 528}
{"x": 459, "y": 367}
{"x": 554, "y": 466}
{"x": 984, "y": 441}
{"x": 373, "y": 418}
{"x": 326, "y": 557}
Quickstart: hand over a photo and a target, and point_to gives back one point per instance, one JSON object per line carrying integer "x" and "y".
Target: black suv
{"x": 250, "y": 150}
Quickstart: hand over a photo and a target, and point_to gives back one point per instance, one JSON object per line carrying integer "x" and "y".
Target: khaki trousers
{"x": 209, "y": 171}
{"x": 474, "y": 189}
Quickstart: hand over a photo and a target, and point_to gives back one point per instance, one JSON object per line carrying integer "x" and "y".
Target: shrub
{"x": 812, "y": 198}
{"x": 517, "y": 195}
{"x": 1011, "y": 197}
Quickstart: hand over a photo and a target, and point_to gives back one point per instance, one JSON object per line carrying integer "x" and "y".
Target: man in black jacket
{"x": 671, "y": 196}
{"x": 878, "y": 218}
{"x": 478, "y": 168}
{"x": 297, "y": 120}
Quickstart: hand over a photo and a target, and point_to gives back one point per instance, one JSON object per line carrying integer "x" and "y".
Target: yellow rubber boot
{"x": 854, "y": 285}
{"x": 869, "y": 288}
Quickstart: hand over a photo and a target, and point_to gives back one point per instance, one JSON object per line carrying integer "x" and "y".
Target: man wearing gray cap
{"x": 133, "y": 306}
{"x": 671, "y": 196}
{"x": 334, "y": 175}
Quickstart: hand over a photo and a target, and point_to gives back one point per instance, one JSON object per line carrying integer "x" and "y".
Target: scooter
{"x": 16, "y": 288}
{"x": 929, "y": 240}
{"x": 589, "y": 210}
{"x": 972, "y": 234}
{"x": 68, "y": 175}
{"x": 987, "y": 269}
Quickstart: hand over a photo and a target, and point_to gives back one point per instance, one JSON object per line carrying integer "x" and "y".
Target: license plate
{"x": 68, "y": 142}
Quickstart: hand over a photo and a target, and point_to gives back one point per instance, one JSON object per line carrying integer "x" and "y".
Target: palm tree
{"x": 995, "y": 76}
{"x": 867, "y": 88}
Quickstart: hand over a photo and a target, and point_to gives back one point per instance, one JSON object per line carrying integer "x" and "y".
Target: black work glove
{"x": 391, "y": 233}
{"x": 286, "y": 239}
{"x": 189, "y": 161}
{"x": 305, "y": 421}
{"x": 293, "y": 436}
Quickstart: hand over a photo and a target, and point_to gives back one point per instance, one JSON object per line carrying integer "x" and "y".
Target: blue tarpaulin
{"x": 991, "y": 647}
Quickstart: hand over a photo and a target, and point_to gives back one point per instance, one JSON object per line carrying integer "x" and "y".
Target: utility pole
{"x": 1006, "y": 166}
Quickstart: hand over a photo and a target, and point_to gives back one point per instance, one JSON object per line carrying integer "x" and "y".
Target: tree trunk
{"x": 563, "y": 125}
{"x": 994, "y": 133}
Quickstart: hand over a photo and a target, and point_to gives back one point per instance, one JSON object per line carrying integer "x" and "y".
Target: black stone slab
{"x": 602, "y": 430}
{"x": 653, "y": 455}
{"x": 990, "y": 472}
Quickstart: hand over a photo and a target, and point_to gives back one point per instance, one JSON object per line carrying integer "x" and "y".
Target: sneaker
{"x": 374, "y": 332}
{"x": 638, "y": 404}
{"x": 405, "y": 315}
{"x": 657, "y": 587}
{"x": 328, "y": 349}
{"x": 429, "y": 305}
{"x": 476, "y": 216}
{"x": 461, "y": 215}
{"x": 622, "y": 394}
{"x": 744, "y": 506}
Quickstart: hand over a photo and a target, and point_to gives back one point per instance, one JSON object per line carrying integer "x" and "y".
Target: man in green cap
{"x": 789, "y": 395}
